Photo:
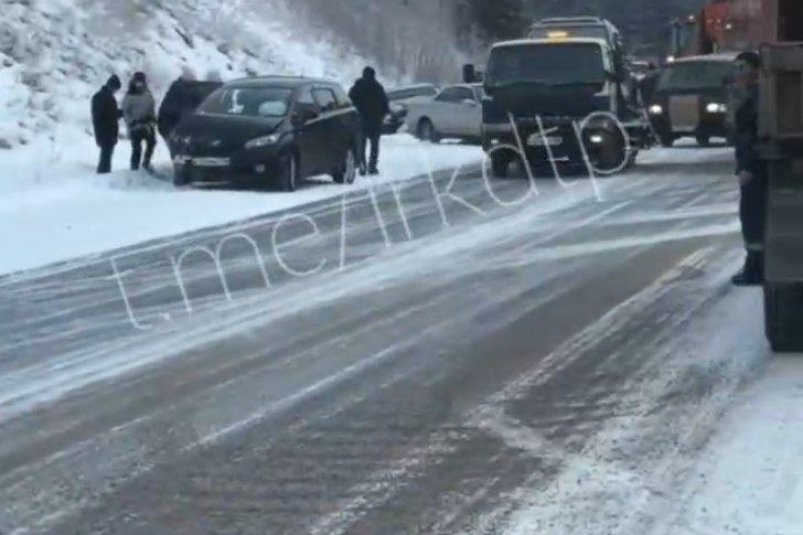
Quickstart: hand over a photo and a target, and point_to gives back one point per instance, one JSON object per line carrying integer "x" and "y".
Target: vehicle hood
{"x": 219, "y": 134}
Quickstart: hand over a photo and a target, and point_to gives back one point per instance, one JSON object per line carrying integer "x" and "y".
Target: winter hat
{"x": 114, "y": 82}
{"x": 369, "y": 72}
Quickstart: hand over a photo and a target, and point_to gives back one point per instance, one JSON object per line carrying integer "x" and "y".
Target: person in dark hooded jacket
{"x": 105, "y": 120}
{"x": 179, "y": 101}
{"x": 371, "y": 101}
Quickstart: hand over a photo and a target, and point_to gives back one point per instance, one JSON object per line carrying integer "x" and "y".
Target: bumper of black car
{"x": 244, "y": 166}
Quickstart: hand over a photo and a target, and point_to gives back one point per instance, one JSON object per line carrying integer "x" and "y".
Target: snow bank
{"x": 750, "y": 480}
{"x": 71, "y": 212}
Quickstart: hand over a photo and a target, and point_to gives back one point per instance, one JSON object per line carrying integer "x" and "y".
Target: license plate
{"x": 211, "y": 162}
{"x": 540, "y": 141}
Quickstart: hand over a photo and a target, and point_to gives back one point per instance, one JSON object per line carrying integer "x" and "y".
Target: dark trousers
{"x": 139, "y": 136}
{"x": 105, "y": 162}
{"x": 371, "y": 133}
{"x": 753, "y": 216}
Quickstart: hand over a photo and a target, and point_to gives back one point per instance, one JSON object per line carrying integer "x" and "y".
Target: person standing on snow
{"x": 106, "y": 122}
{"x": 139, "y": 110}
{"x": 179, "y": 101}
{"x": 369, "y": 97}
{"x": 750, "y": 170}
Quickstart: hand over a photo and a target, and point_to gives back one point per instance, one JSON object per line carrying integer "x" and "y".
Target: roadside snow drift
{"x": 69, "y": 211}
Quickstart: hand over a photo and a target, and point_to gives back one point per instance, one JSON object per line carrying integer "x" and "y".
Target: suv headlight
{"x": 656, "y": 109}
{"x": 262, "y": 141}
{"x": 715, "y": 107}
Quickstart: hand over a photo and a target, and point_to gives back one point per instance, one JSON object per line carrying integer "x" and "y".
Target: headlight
{"x": 596, "y": 139}
{"x": 262, "y": 141}
{"x": 656, "y": 109}
{"x": 715, "y": 107}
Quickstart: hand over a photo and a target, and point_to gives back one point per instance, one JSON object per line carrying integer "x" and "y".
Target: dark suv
{"x": 272, "y": 130}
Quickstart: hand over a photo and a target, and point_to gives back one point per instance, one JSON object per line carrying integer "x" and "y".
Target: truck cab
{"x": 539, "y": 90}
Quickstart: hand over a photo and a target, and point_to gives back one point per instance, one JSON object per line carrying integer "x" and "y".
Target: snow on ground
{"x": 750, "y": 480}
{"x": 61, "y": 210}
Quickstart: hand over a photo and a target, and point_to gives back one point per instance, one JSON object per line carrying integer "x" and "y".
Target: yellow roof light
{"x": 558, "y": 34}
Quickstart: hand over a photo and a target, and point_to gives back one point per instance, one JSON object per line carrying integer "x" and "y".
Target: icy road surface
{"x": 424, "y": 357}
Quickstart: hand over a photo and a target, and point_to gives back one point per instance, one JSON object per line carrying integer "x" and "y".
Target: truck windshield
{"x": 547, "y": 64}
{"x": 248, "y": 101}
{"x": 696, "y": 75}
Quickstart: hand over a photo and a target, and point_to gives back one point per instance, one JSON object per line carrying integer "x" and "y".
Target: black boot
{"x": 753, "y": 272}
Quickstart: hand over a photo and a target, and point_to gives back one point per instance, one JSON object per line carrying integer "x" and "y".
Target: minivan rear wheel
{"x": 346, "y": 171}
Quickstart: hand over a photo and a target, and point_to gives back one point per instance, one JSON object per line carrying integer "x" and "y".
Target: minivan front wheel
{"x": 288, "y": 172}
{"x": 346, "y": 171}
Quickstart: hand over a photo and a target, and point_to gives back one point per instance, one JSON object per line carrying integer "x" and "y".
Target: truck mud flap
{"x": 783, "y": 312}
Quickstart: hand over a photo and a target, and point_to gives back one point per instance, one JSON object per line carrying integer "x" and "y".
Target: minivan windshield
{"x": 546, "y": 63}
{"x": 696, "y": 75}
{"x": 248, "y": 102}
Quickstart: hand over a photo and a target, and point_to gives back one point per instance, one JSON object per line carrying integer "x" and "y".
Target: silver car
{"x": 455, "y": 112}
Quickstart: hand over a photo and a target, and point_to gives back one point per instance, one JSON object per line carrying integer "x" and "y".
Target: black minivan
{"x": 269, "y": 130}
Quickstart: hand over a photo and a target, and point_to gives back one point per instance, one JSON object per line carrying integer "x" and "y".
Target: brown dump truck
{"x": 781, "y": 134}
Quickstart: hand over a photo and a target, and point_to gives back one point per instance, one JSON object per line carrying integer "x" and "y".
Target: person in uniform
{"x": 750, "y": 170}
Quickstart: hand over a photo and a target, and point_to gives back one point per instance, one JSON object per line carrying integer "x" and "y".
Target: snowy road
{"x": 430, "y": 357}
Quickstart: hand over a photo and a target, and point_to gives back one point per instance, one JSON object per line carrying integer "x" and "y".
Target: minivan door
{"x": 309, "y": 135}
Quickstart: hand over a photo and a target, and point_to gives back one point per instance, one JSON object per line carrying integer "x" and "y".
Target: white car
{"x": 455, "y": 112}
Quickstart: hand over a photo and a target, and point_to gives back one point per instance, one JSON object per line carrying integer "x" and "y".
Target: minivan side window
{"x": 325, "y": 98}
{"x": 305, "y": 97}
{"x": 341, "y": 96}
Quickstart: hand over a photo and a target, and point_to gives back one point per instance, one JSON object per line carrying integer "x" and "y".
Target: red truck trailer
{"x": 722, "y": 26}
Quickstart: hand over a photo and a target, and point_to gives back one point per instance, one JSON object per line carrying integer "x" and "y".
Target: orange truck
{"x": 722, "y": 26}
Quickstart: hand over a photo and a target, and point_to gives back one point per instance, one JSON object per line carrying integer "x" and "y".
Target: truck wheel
{"x": 346, "y": 171}
{"x": 782, "y": 316}
{"x": 180, "y": 178}
{"x": 703, "y": 140}
{"x": 631, "y": 159}
{"x": 426, "y": 131}
{"x": 500, "y": 165}
{"x": 667, "y": 140}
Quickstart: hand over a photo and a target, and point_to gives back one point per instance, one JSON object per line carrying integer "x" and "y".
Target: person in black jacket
{"x": 105, "y": 120}
{"x": 750, "y": 170}
{"x": 369, "y": 97}
{"x": 179, "y": 101}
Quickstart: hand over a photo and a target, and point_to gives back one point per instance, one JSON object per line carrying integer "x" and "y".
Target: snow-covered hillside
{"x": 56, "y": 53}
